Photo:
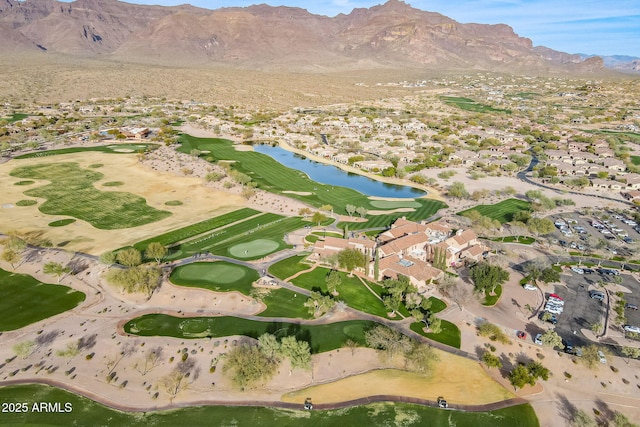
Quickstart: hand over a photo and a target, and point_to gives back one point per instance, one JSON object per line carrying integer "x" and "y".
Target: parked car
{"x": 556, "y": 296}
{"x": 530, "y": 287}
{"x": 631, "y": 306}
{"x": 631, "y": 328}
{"x": 553, "y": 319}
{"x": 538, "y": 339}
{"x": 570, "y": 349}
{"x": 556, "y": 301}
{"x": 553, "y": 309}
{"x": 577, "y": 270}
{"x": 601, "y": 357}
{"x": 522, "y": 335}
{"x": 597, "y": 295}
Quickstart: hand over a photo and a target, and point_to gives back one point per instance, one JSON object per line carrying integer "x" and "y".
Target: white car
{"x": 631, "y": 328}
{"x": 553, "y": 309}
{"x": 530, "y": 287}
{"x": 538, "y": 339}
{"x": 556, "y": 301}
{"x": 577, "y": 270}
{"x": 601, "y": 357}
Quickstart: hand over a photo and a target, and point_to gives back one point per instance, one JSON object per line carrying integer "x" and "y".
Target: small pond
{"x": 331, "y": 175}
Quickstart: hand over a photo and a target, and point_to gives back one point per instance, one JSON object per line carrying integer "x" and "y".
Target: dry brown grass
{"x": 460, "y": 380}
{"x": 157, "y": 188}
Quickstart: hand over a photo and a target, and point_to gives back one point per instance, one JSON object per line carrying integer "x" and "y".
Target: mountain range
{"x": 390, "y": 35}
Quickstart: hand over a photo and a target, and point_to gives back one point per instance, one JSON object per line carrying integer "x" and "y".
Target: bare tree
{"x": 151, "y": 360}
{"x": 127, "y": 350}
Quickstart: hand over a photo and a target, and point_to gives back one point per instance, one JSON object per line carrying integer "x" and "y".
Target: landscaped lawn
{"x": 502, "y": 211}
{"x": 288, "y": 267}
{"x": 69, "y": 190}
{"x": 24, "y": 300}
{"x": 524, "y": 240}
{"x": 110, "y": 149}
{"x": 89, "y": 413}
{"x": 351, "y": 291}
{"x": 282, "y": 302}
{"x": 450, "y": 334}
{"x": 201, "y": 227}
{"x": 321, "y": 338}
{"x": 491, "y": 300}
{"x": 219, "y": 276}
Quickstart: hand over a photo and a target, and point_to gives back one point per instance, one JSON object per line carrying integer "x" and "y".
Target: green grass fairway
{"x": 269, "y": 227}
{"x": 219, "y": 276}
{"x": 321, "y": 338}
{"x": 427, "y": 209}
{"x": 283, "y": 302}
{"x": 110, "y": 149}
{"x": 70, "y": 191}
{"x": 254, "y": 248}
{"x": 351, "y": 291}
{"x": 635, "y": 160}
{"x": 89, "y": 413}
{"x": 502, "y": 211}
{"x": 470, "y": 105}
{"x": 24, "y": 300}
{"x": 288, "y": 266}
{"x": 450, "y": 334}
{"x": 26, "y": 202}
{"x": 201, "y": 227}
{"x": 391, "y": 204}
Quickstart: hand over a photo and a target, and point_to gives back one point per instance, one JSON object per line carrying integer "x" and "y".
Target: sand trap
{"x": 241, "y": 147}
{"x": 7, "y": 206}
{"x": 299, "y": 193}
{"x": 461, "y": 380}
{"x": 389, "y": 212}
{"x": 124, "y": 150}
{"x": 156, "y": 187}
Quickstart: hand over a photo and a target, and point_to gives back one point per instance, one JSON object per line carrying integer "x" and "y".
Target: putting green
{"x": 214, "y": 273}
{"x": 253, "y": 248}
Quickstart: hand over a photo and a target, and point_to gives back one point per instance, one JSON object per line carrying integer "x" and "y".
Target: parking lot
{"x": 581, "y": 311}
{"x": 583, "y": 233}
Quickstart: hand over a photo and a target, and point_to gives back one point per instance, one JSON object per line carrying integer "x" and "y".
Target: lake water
{"x": 331, "y": 175}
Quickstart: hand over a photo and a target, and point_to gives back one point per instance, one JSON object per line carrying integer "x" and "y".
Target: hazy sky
{"x": 605, "y": 27}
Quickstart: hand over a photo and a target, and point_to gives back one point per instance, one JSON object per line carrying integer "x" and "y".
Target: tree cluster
{"x": 418, "y": 357}
{"x": 522, "y": 374}
{"x": 486, "y": 277}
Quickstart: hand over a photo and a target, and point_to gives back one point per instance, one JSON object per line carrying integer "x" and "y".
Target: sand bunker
{"x": 299, "y": 193}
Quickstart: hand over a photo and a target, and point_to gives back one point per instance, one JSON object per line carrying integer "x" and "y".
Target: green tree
{"x": 420, "y": 358}
{"x": 519, "y": 377}
{"x": 536, "y": 370}
{"x": 349, "y": 259}
{"x": 24, "y": 349}
{"x": 540, "y": 226}
{"x": 491, "y": 360}
{"x": 298, "y": 352}
{"x": 549, "y": 275}
{"x": 597, "y": 328}
{"x": 590, "y": 356}
{"x": 582, "y": 419}
{"x": 319, "y": 304}
{"x": 333, "y": 280}
{"x": 318, "y": 218}
{"x": 129, "y": 257}
{"x": 390, "y": 341}
{"x": 392, "y": 302}
{"x": 156, "y": 251}
{"x": 486, "y": 277}
{"x": 552, "y": 339}
{"x": 56, "y": 269}
{"x": 270, "y": 346}
{"x": 458, "y": 190}
{"x": 361, "y": 211}
{"x": 11, "y": 256}
{"x": 246, "y": 365}
{"x": 108, "y": 258}
{"x": 376, "y": 266}
{"x": 350, "y": 209}
{"x": 621, "y": 420}
{"x": 631, "y": 352}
